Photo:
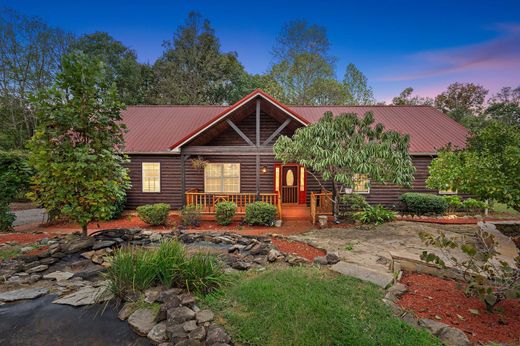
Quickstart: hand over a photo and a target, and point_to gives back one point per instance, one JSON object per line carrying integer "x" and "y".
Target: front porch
{"x": 320, "y": 203}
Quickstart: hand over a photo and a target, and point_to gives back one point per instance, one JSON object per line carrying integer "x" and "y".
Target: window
{"x": 151, "y": 177}
{"x": 361, "y": 183}
{"x": 222, "y": 177}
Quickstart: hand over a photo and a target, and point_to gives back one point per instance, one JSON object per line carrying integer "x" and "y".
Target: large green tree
{"x": 462, "y": 100}
{"x": 193, "y": 70}
{"x": 30, "y": 53}
{"x": 357, "y": 90}
{"x": 504, "y": 106}
{"x": 77, "y": 148}
{"x": 121, "y": 65}
{"x": 488, "y": 168}
{"x": 337, "y": 148}
{"x": 407, "y": 98}
{"x": 301, "y": 60}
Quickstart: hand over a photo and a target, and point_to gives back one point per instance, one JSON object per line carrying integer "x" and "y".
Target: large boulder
{"x": 24, "y": 293}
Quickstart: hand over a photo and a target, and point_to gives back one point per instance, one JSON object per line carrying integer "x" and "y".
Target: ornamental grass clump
{"x": 135, "y": 269}
{"x": 224, "y": 212}
{"x": 376, "y": 215}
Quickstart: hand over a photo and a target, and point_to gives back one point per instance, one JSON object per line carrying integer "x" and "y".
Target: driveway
{"x": 30, "y": 216}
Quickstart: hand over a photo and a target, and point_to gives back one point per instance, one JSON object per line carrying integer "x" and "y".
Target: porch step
{"x": 292, "y": 212}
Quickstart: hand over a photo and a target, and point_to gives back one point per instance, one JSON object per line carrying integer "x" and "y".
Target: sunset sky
{"x": 395, "y": 43}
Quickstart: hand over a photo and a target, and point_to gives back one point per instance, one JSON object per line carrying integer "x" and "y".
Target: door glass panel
{"x": 289, "y": 178}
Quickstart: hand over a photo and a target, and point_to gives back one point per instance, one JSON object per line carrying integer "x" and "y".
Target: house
{"x": 204, "y": 154}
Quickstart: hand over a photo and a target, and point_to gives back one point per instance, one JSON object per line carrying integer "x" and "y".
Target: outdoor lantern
{"x": 263, "y": 169}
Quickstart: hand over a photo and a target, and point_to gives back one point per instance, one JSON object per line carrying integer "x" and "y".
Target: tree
{"x": 77, "y": 147}
{"x": 488, "y": 168}
{"x": 301, "y": 60}
{"x": 357, "y": 89}
{"x": 193, "y": 70}
{"x": 506, "y": 95}
{"x": 462, "y": 100}
{"x": 406, "y": 98}
{"x": 338, "y": 148}
{"x": 328, "y": 92}
{"x": 30, "y": 52}
{"x": 120, "y": 62}
{"x": 504, "y": 106}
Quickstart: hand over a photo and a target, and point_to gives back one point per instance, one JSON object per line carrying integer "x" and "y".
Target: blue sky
{"x": 397, "y": 44}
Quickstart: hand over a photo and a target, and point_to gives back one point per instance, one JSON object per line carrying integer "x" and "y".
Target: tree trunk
{"x": 84, "y": 230}
{"x": 335, "y": 201}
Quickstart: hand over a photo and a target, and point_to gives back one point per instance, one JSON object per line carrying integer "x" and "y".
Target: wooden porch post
{"x": 257, "y": 149}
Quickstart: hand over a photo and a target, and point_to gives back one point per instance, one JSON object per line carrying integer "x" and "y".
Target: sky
{"x": 423, "y": 44}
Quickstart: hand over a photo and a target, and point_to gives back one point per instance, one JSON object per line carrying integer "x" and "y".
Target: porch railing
{"x": 321, "y": 204}
{"x": 207, "y": 201}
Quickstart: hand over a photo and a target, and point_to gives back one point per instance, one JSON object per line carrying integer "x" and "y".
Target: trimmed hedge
{"x": 224, "y": 212}
{"x": 154, "y": 214}
{"x": 260, "y": 213}
{"x": 423, "y": 203}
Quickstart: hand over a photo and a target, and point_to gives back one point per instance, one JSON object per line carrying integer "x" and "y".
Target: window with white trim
{"x": 222, "y": 177}
{"x": 151, "y": 176}
{"x": 361, "y": 183}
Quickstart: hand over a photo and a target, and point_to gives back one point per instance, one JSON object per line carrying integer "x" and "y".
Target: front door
{"x": 290, "y": 184}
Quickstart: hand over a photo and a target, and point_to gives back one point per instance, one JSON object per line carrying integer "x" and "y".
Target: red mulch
{"x": 22, "y": 238}
{"x": 130, "y": 221}
{"x": 457, "y": 221}
{"x": 301, "y": 249}
{"x": 430, "y": 296}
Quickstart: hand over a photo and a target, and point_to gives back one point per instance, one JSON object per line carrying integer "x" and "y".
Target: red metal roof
{"x": 156, "y": 128}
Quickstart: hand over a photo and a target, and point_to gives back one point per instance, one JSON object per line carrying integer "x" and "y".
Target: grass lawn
{"x": 309, "y": 306}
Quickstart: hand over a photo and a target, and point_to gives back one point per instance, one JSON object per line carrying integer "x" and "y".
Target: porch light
{"x": 263, "y": 169}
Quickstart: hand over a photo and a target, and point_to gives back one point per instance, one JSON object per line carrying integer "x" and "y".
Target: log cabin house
{"x": 234, "y": 144}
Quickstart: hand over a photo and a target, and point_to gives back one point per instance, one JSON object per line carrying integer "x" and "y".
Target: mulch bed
{"x": 22, "y": 238}
{"x": 433, "y": 298}
{"x": 301, "y": 249}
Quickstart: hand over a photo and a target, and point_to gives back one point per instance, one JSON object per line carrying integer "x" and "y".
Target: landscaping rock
{"x": 240, "y": 265}
{"x": 166, "y": 295}
{"x": 48, "y": 260}
{"x": 58, "y": 276}
{"x": 260, "y": 249}
{"x": 143, "y": 320}
{"x": 85, "y": 296}
{"x": 126, "y": 311}
{"x": 180, "y": 315}
{"x": 296, "y": 260}
{"x": 273, "y": 255}
{"x": 26, "y": 249}
{"x": 204, "y": 316}
{"x": 37, "y": 269}
{"x": 189, "y": 342}
{"x": 80, "y": 244}
{"x": 187, "y": 299}
{"x": 217, "y": 334}
{"x": 432, "y": 326}
{"x": 158, "y": 333}
{"x": 395, "y": 292}
{"x": 332, "y": 258}
{"x": 175, "y": 332}
{"x": 151, "y": 294}
{"x": 382, "y": 279}
{"x": 198, "y": 334}
{"x": 30, "y": 265}
{"x": 155, "y": 237}
{"x": 189, "y": 326}
{"x": 173, "y": 302}
{"x": 24, "y": 293}
{"x": 453, "y": 337}
{"x": 321, "y": 260}
{"x": 103, "y": 244}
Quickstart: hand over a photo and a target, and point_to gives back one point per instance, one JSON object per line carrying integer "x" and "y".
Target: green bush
{"x": 423, "y": 203}
{"x": 224, "y": 212}
{"x": 260, "y": 213}
{"x": 137, "y": 269}
{"x": 350, "y": 204}
{"x": 376, "y": 215}
{"x": 190, "y": 216}
{"x": 154, "y": 214}
{"x": 6, "y": 218}
{"x": 474, "y": 206}
{"x": 120, "y": 206}
{"x": 454, "y": 203}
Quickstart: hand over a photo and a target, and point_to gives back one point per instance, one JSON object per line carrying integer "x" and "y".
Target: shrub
{"x": 224, "y": 212}
{"x": 190, "y": 215}
{"x": 350, "y": 204}
{"x": 454, "y": 203}
{"x": 376, "y": 215}
{"x": 474, "y": 206}
{"x": 422, "y": 203}
{"x": 260, "y": 213}
{"x": 119, "y": 207}
{"x": 154, "y": 214}
{"x": 6, "y": 218}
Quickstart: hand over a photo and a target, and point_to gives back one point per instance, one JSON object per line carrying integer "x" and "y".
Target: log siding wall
{"x": 387, "y": 195}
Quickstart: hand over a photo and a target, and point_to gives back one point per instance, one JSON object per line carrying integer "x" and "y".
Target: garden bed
{"x": 301, "y": 249}
{"x": 444, "y": 300}
{"x": 21, "y": 238}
